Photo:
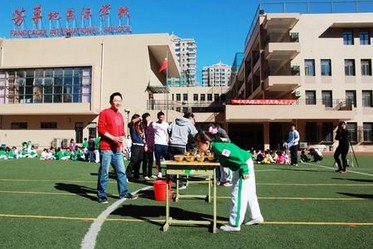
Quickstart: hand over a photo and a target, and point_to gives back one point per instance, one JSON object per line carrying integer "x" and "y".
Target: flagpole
{"x": 167, "y": 106}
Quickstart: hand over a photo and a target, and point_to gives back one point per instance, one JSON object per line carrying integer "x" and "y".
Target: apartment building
{"x": 186, "y": 54}
{"x": 216, "y": 75}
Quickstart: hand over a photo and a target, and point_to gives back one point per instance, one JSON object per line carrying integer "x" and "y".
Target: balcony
{"x": 281, "y": 21}
{"x": 281, "y": 47}
{"x": 281, "y": 83}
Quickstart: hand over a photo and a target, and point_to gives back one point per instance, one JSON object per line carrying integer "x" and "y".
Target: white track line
{"x": 326, "y": 167}
{"x": 90, "y": 237}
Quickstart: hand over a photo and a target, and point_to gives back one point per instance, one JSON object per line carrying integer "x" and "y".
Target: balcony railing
{"x": 332, "y": 104}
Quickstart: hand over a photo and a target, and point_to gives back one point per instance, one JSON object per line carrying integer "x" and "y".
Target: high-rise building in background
{"x": 216, "y": 75}
{"x": 186, "y": 53}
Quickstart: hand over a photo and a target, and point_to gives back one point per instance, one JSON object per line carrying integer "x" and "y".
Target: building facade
{"x": 52, "y": 89}
{"x": 186, "y": 54}
{"x": 320, "y": 65}
{"x": 216, "y": 75}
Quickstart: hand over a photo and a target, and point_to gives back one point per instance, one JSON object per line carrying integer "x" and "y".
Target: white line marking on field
{"x": 90, "y": 237}
{"x": 352, "y": 171}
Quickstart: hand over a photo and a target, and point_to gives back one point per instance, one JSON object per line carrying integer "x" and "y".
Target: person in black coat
{"x": 343, "y": 147}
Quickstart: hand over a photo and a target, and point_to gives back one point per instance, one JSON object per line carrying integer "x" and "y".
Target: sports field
{"x": 53, "y": 204}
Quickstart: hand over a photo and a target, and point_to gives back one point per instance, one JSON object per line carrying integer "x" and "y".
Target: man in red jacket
{"x": 111, "y": 130}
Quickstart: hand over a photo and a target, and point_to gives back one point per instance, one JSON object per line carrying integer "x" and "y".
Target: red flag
{"x": 164, "y": 65}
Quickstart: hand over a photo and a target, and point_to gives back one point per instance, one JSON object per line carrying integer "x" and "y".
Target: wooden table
{"x": 191, "y": 169}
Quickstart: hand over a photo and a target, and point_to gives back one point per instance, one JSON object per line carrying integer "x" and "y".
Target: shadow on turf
{"x": 147, "y": 213}
{"x": 83, "y": 191}
{"x": 365, "y": 196}
{"x": 354, "y": 180}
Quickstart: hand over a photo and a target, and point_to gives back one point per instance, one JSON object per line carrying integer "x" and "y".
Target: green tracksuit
{"x": 231, "y": 156}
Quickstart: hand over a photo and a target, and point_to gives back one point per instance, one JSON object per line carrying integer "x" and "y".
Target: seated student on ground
{"x": 3, "y": 154}
{"x": 59, "y": 154}
{"x": 259, "y": 157}
{"x": 78, "y": 155}
{"x": 267, "y": 157}
{"x": 15, "y": 152}
{"x": 52, "y": 154}
{"x": 303, "y": 157}
{"x": 316, "y": 155}
{"x": 24, "y": 153}
{"x": 67, "y": 154}
{"x": 32, "y": 152}
{"x": 10, "y": 154}
{"x": 44, "y": 155}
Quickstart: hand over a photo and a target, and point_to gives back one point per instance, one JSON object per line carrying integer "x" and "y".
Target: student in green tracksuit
{"x": 244, "y": 188}
{"x": 3, "y": 154}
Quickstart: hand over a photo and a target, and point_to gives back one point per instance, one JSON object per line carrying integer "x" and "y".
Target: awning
{"x": 352, "y": 25}
{"x": 158, "y": 89}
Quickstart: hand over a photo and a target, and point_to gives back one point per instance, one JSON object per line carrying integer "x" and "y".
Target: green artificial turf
{"x": 67, "y": 190}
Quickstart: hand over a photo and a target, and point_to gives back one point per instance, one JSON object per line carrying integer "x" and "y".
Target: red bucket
{"x": 160, "y": 190}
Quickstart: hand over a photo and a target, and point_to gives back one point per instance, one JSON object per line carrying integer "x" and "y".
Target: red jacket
{"x": 112, "y": 122}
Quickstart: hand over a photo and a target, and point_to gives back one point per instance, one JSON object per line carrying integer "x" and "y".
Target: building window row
{"x": 45, "y": 85}
{"x": 349, "y": 66}
{"x": 361, "y": 134}
{"x": 348, "y": 37}
{"x": 24, "y": 125}
{"x": 327, "y": 98}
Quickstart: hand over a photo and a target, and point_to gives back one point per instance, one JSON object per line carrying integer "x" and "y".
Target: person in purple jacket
{"x": 148, "y": 160}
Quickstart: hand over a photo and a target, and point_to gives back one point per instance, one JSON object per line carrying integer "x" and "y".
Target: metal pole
{"x": 167, "y": 106}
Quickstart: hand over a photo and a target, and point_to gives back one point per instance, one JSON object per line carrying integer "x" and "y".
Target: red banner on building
{"x": 263, "y": 101}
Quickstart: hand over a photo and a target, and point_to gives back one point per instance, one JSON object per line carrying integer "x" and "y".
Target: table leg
{"x": 177, "y": 188}
{"x": 214, "y": 229}
{"x": 166, "y": 225}
{"x": 209, "y": 196}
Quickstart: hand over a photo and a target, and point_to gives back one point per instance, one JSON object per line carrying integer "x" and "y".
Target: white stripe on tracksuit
{"x": 244, "y": 197}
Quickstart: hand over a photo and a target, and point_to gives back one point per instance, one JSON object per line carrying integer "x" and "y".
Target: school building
{"x": 52, "y": 89}
{"x": 313, "y": 70}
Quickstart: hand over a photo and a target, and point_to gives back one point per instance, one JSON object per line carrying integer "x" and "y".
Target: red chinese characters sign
{"x": 263, "y": 101}
{"x": 19, "y": 21}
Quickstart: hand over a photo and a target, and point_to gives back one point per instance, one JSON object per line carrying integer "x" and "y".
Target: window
{"x": 352, "y": 130}
{"x": 350, "y": 67}
{"x": 309, "y": 67}
{"x": 351, "y": 98}
{"x": 327, "y": 132}
{"x": 209, "y": 97}
{"x": 368, "y": 132}
{"x": 185, "y": 97}
{"x": 367, "y": 98}
{"x": 18, "y": 126}
{"x": 326, "y": 67}
{"x": 348, "y": 37}
{"x": 178, "y": 97}
{"x": 364, "y": 37}
{"x": 92, "y": 129}
{"x": 327, "y": 98}
{"x": 195, "y": 97}
{"x": 173, "y": 97}
{"x": 311, "y": 132}
{"x": 216, "y": 97}
{"x": 366, "y": 67}
{"x": 310, "y": 97}
{"x": 203, "y": 97}
{"x": 47, "y": 85}
{"x": 48, "y": 125}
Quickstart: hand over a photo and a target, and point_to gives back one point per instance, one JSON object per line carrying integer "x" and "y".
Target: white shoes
{"x": 182, "y": 187}
{"x": 228, "y": 228}
{"x": 160, "y": 175}
{"x": 147, "y": 178}
{"x": 255, "y": 221}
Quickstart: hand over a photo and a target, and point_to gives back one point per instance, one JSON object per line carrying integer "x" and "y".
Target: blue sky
{"x": 218, "y": 26}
